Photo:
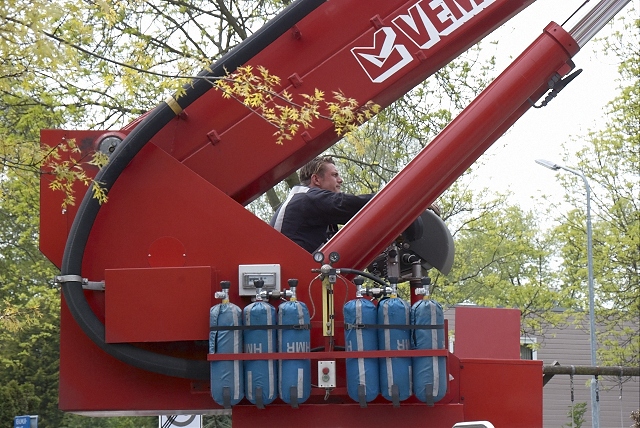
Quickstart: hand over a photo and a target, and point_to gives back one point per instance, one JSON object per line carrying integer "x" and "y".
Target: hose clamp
{"x": 86, "y": 284}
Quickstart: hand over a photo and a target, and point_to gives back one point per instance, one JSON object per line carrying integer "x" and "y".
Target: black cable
{"x": 365, "y": 274}
{"x": 576, "y": 11}
{"x": 556, "y": 87}
{"x": 121, "y": 157}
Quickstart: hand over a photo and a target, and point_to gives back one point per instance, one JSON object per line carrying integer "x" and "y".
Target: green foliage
{"x": 31, "y": 358}
{"x": 216, "y": 421}
{"x": 15, "y": 400}
{"x": 610, "y": 160}
{"x": 76, "y": 421}
{"x": 29, "y": 304}
{"x": 257, "y": 90}
{"x": 576, "y": 415}
{"x": 503, "y": 259}
{"x": 116, "y": 59}
{"x": 29, "y": 338}
{"x": 635, "y": 417}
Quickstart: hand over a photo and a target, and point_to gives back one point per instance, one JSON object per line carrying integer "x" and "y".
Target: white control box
{"x": 326, "y": 374}
{"x": 248, "y": 274}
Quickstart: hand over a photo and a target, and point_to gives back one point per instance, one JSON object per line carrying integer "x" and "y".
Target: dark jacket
{"x": 309, "y": 214}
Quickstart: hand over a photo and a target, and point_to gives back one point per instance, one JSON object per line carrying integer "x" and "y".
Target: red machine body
{"x": 175, "y": 223}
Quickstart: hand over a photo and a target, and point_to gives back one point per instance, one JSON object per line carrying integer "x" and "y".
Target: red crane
{"x": 140, "y": 273}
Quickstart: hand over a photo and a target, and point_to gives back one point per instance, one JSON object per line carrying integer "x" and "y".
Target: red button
{"x": 325, "y": 370}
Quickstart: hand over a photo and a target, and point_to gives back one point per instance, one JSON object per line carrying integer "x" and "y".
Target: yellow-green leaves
{"x": 65, "y": 166}
{"x": 258, "y": 90}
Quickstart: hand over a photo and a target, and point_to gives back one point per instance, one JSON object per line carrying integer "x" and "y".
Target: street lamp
{"x": 595, "y": 412}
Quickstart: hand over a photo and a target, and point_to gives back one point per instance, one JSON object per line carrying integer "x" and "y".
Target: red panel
{"x": 506, "y": 393}
{"x": 349, "y": 415}
{"x": 487, "y": 333}
{"x": 157, "y": 304}
{"x": 157, "y": 197}
{"x": 92, "y": 381}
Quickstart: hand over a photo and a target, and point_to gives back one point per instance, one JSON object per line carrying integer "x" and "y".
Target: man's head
{"x": 321, "y": 172}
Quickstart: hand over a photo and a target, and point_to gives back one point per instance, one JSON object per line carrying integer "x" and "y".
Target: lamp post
{"x": 595, "y": 412}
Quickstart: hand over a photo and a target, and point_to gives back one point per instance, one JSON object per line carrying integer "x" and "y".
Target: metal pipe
{"x": 556, "y": 368}
{"x": 595, "y": 20}
{"x": 592, "y": 370}
{"x": 595, "y": 406}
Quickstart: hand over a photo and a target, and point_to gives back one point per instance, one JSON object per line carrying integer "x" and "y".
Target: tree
{"x": 610, "y": 160}
{"x": 503, "y": 259}
{"x": 78, "y": 65}
{"x": 76, "y": 421}
{"x": 116, "y": 60}
{"x": 216, "y": 421}
{"x": 30, "y": 361}
{"x": 29, "y": 344}
{"x": 576, "y": 415}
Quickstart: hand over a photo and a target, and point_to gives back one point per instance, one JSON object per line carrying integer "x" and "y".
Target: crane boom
{"x": 175, "y": 226}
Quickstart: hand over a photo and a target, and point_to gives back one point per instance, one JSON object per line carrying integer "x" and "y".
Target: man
{"x": 313, "y": 210}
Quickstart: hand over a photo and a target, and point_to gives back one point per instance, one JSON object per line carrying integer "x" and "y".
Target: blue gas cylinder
{"x": 294, "y": 375}
{"x": 363, "y": 378}
{"x": 429, "y": 373}
{"x": 395, "y": 372}
{"x": 227, "y": 377}
{"x": 260, "y": 375}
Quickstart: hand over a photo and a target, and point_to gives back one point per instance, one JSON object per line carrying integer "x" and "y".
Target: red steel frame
{"x": 175, "y": 224}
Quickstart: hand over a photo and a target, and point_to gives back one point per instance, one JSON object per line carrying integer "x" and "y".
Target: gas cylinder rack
{"x": 392, "y": 350}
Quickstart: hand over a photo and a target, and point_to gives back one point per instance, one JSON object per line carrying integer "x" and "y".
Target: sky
{"x": 510, "y": 163}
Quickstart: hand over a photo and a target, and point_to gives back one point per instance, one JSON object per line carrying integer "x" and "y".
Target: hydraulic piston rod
{"x": 595, "y": 20}
{"x": 457, "y": 147}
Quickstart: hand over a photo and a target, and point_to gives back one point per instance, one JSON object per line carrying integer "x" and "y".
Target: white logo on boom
{"x": 387, "y": 60}
{"x": 424, "y": 24}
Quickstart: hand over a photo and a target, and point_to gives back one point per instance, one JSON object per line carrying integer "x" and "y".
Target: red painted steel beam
{"x": 372, "y": 51}
{"x": 331, "y": 414}
{"x": 456, "y": 148}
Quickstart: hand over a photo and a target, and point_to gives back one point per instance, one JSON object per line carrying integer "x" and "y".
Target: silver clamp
{"x": 61, "y": 279}
{"x": 86, "y": 284}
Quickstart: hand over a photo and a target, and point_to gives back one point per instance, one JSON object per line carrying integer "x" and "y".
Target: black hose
{"x": 124, "y": 153}
{"x": 365, "y": 274}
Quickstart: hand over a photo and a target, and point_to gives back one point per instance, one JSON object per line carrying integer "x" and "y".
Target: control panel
{"x": 326, "y": 374}
{"x": 248, "y": 274}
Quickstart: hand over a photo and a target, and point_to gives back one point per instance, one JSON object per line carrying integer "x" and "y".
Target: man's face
{"x": 328, "y": 180}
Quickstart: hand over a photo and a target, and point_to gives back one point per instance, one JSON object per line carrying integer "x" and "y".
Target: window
{"x": 528, "y": 349}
